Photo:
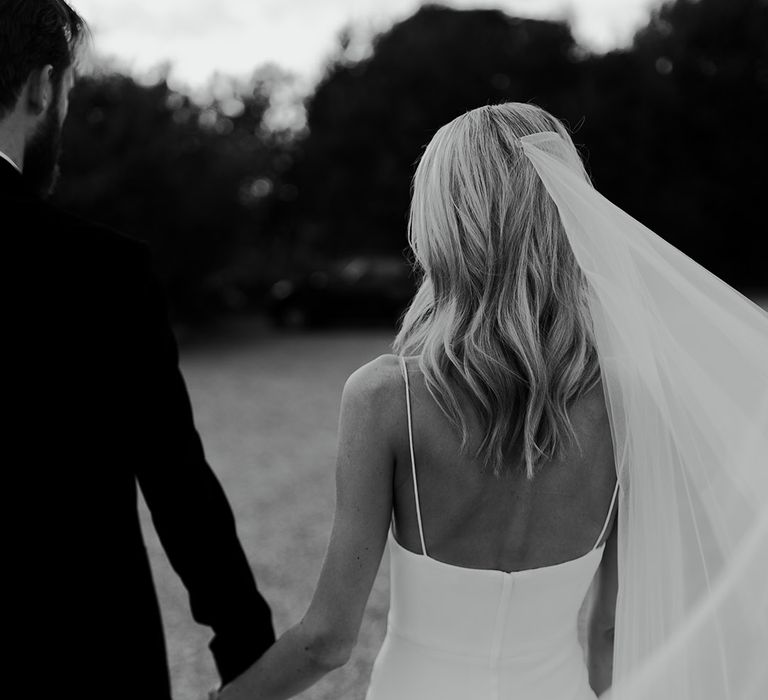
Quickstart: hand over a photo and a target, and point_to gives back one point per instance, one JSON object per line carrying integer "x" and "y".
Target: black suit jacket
{"x": 97, "y": 405}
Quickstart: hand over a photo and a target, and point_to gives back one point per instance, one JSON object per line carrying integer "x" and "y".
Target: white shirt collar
{"x": 10, "y": 160}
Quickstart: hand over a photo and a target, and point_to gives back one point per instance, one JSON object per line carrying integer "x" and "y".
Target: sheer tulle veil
{"x": 684, "y": 359}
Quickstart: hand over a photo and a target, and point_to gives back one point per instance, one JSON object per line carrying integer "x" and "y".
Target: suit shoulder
{"x": 61, "y": 239}
{"x": 98, "y": 238}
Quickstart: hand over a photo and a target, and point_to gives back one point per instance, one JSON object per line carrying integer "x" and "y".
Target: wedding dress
{"x": 482, "y": 634}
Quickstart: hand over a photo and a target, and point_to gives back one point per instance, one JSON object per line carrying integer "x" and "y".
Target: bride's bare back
{"x": 476, "y": 520}
{"x": 472, "y": 521}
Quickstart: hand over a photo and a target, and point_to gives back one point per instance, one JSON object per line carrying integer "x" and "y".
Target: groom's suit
{"x": 97, "y": 404}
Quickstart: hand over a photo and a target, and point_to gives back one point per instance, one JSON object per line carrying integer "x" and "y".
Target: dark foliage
{"x": 190, "y": 180}
{"x": 671, "y": 128}
{"x": 369, "y": 120}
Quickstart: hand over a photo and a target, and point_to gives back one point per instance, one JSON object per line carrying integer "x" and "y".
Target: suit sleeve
{"x": 189, "y": 508}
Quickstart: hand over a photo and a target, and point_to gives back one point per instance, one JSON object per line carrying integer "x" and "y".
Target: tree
{"x": 369, "y": 120}
{"x": 670, "y": 127}
{"x": 704, "y": 68}
{"x": 191, "y": 179}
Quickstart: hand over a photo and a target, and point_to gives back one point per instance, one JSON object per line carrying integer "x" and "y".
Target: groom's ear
{"x": 39, "y": 92}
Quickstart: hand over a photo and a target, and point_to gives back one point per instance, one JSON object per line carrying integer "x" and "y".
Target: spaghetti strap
{"x": 413, "y": 459}
{"x": 608, "y": 517}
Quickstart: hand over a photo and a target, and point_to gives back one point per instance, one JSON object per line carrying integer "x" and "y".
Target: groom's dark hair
{"x": 33, "y": 34}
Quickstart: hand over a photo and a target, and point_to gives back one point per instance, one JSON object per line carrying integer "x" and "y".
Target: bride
{"x": 573, "y": 404}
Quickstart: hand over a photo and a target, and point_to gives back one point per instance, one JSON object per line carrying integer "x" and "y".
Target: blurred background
{"x": 284, "y": 190}
{"x": 264, "y": 150}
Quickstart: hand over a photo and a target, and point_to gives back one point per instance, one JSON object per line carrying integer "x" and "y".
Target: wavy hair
{"x": 500, "y": 321}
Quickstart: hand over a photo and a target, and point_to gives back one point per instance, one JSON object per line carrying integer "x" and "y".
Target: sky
{"x": 201, "y": 37}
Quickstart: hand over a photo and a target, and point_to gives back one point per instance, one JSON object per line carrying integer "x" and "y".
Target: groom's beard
{"x": 41, "y": 156}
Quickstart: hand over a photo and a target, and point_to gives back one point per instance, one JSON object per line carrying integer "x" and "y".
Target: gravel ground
{"x": 266, "y": 406}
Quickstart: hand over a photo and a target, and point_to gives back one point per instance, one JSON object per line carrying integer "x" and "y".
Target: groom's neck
{"x": 12, "y": 139}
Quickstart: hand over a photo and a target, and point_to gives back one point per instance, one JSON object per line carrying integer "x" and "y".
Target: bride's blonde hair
{"x": 501, "y": 315}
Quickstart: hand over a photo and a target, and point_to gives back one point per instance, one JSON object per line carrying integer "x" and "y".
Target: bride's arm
{"x": 325, "y": 637}
{"x": 602, "y": 620}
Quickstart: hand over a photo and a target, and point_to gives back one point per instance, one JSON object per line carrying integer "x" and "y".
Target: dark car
{"x": 363, "y": 290}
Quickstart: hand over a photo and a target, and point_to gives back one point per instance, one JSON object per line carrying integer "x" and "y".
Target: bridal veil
{"x": 684, "y": 360}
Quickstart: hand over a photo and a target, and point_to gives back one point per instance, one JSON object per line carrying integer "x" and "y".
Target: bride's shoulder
{"x": 377, "y": 376}
{"x": 377, "y": 384}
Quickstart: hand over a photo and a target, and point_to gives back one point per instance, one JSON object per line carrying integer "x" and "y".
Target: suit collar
{"x": 11, "y": 180}
{"x": 4, "y": 156}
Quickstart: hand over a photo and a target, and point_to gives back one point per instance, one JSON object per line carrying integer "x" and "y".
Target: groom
{"x": 95, "y": 404}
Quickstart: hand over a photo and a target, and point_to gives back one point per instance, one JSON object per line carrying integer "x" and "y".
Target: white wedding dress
{"x": 456, "y": 633}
